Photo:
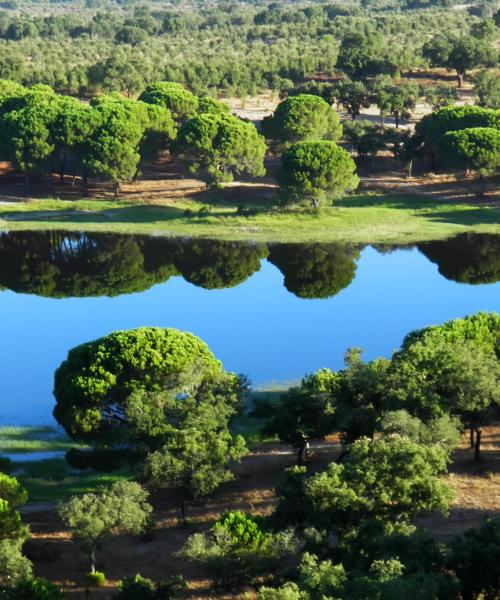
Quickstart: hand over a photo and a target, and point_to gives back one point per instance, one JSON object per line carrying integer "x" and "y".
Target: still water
{"x": 273, "y": 312}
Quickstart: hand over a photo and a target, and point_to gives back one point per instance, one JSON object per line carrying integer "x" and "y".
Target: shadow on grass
{"x": 472, "y": 216}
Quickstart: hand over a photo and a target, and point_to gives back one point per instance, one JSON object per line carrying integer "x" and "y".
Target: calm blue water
{"x": 257, "y": 327}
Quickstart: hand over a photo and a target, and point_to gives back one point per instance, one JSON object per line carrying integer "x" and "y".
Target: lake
{"x": 274, "y": 312}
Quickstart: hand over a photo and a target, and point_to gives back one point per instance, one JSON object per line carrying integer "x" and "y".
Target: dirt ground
{"x": 477, "y": 494}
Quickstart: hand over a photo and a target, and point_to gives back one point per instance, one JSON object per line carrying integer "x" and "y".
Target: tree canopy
{"x": 302, "y": 118}
{"x": 312, "y": 171}
{"x": 94, "y": 383}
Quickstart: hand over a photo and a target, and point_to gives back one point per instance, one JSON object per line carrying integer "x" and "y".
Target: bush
{"x": 38, "y": 589}
{"x": 96, "y": 579}
{"x": 237, "y": 550}
{"x": 141, "y": 588}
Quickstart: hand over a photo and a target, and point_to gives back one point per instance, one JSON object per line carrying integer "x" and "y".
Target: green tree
{"x": 359, "y": 396}
{"x": 93, "y": 517}
{"x": 396, "y": 99}
{"x": 236, "y": 550}
{"x": 391, "y": 480}
{"x": 475, "y": 558}
{"x": 192, "y": 444}
{"x": 363, "y": 55}
{"x": 218, "y": 146}
{"x": 14, "y": 566}
{"x": 477, "y": 148}
{"x": 353, "y": 96}
{"x": 430, "y": 130}
{"x": 365, "y": 137}
{"x": 141, "y": 588}
{"x": 302, "y": 118}
{"x": 113, "y": 151}
{"x": 26, "y": 131}
{"x": 302, "y": 414}
{"x": 460, "y": 53}
{"x": 310, "y": 171}
{"x": 94, "y": 383}
{"x": 487, "y": 89}
{"x": 440, "y": 371}
{"x": 180, "y": 102}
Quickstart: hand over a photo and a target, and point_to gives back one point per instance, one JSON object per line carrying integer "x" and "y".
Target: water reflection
{"x": 58, "y": 264}
{"x": 468, "y": 258}
{"x": 315, "y": 270}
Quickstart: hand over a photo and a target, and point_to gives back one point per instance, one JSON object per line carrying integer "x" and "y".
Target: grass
{"x": 362, "y": 218}
{"x": 22, "y": 440}
{"x": 51, "y": 479}
{"x": 54, "y": 480}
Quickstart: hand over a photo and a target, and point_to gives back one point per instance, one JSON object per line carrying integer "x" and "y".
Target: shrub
{"x": 96, "y": 579}
{"x": 237, "y": 550}
{"x": 141, "y": 588}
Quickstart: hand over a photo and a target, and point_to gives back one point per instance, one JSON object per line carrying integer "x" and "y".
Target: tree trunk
{"x": 300, "y": 454}
{"x": 396, "y": 116}
{"x": 85, "y": 184}
{"x": 460, "y": 77}
{"x": 481, "y": 189}
{"x": 477, "y": 445}
{"x": 471, "y": 437}
{"x": 27, "y": 184}
{"x": 92, "y": 559}
{"x": 183, "y": 512}
{"x": 117, "y": 189}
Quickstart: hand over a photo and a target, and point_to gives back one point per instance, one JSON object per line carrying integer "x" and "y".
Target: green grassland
{"x": 362, "y": 218}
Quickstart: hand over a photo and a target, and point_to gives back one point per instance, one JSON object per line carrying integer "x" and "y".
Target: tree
{"x": 353, "y": 96}
{"x": 113, "y": 151}
{"x": 477, "y": 148}
{"x": 26, "y": 131}
{"x": 188, "y": 442}
{"x": 180, "y": 102}
{"x": 430, "y": 130}
{"x": 487, "y": 90}
{"x": 396, "y": 99}
{"x": 475, "y": 558}
{"x": 440, "y": 371}
{"x": 359, "y": 396}
{"x": 302, "y": 414}
{"x": 459, "y": 53}
{"x": 391, "y": 480}
{"x": 302, "y": 118}
{"x": 141, "y": 588}
{"x": 218, "y": 146}
{"x": 236, "y": 550}
{"x": 74, "y": 123}
{"x": 365, "y": 137}
{"x": 444, "y": 430}
{"x": 311, "y": 170}
{"x": 94, "y": 383}
{"x": 93, "y": 517}
{"x": 361, "y": 56}
{"x": 315, "y": 270}
{"x": 14, "y": 566}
